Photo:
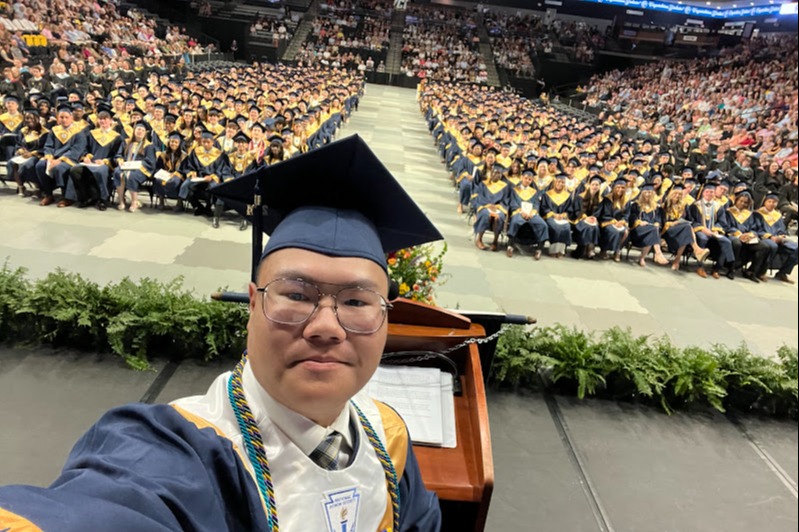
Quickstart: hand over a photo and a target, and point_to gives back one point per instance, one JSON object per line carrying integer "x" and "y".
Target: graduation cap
{"x": 620, "y": 181}
{"x": 170, "y": 117}
{"x": 175, "y": 135}
{"x": 241, "y": 137}
{"x": 141, "y": 123}
{"x": 352, "y": 206}
{"x": 647, "y": 186}
{"x": 596, "y": 178}
{"x": 275, "y": 139}
{"x": 771, "y": 195}
{"x": 11, "y": 98}
{"x": 64, "y": 107}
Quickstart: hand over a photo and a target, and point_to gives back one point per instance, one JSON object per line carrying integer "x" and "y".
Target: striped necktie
{"x": 326, "y": 453}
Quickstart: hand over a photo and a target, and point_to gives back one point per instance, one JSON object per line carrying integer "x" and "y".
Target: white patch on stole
{"x": 341, "y": 509}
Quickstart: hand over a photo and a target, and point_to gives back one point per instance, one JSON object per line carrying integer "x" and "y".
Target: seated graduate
{"x": 612, "y": 215}
{"x": 28, "y": 150}
{"x": 742, "y": 229}
{"x": 678, "y": 230}
{"x": 585, "y": 226}
{"x": 205, "y": 166}
{"x": 526, "y": 225}
{"x": 170, "y": 160}
{"x": 11, "y": 122}
{"x": 514, "y": 173}
{"x": 289, "y": 431}
{"x": 783, "y": 253}
{"x": 468, "y": 172}
{"x": 646, "y": 223}
{"x": 707, "y": 219}
{"x": 104, "y": 147}
{"x": 242, "y": 162}
{"x": 491, "y": 207}
{"x": 275, "y": 153}
{"x": 543, "y": 180}
{"x": 64, "y": 146}
{"x": 557, "y": 208}
{"x": 140, "y": 154}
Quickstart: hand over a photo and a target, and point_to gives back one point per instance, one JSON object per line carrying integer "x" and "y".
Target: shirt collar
{"x": 303, "y": 432}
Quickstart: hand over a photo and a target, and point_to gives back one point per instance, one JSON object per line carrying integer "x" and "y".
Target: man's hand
{"x": 707, "y": 232}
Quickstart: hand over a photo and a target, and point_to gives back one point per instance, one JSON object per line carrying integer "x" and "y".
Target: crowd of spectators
{"x": 745, "y": 99}
{"x": 350, "y": 37}
{"x": 514, "y": 39}
{"x": 442, "y": 44}
{"x": 278, "y": 28}
{"x": 82, "y": 34}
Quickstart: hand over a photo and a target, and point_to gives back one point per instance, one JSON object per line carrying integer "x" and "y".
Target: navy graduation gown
{"x": 648, "y": 233}
{"x": 146, "y": 467}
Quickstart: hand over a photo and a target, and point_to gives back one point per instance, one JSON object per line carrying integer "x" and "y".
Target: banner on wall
{"x": 698, "y": 11}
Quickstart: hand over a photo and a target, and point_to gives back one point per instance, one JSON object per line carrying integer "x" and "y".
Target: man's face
{"x": 317, "y": 364}
{"x": 65, "y": 118}
{"x": 12, "y": 106}
{"x": 708, "y": 194}
{"x": 207, "y": 143}
{"x": 104, "y": 121}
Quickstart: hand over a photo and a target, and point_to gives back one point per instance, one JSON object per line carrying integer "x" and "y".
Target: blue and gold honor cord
{"x": 254, "y": 444}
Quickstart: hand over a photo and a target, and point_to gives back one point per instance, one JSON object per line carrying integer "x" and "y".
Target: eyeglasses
{"x": 294, "y": 301}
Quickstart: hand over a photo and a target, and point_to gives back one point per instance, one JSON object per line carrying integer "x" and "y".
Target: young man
{"x": 288, "y": 437}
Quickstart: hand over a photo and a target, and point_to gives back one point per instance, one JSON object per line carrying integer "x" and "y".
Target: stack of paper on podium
{"x": 423, "y": 397}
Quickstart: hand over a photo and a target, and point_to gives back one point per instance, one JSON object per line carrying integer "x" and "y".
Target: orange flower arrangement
{"x": 417, "y": 271}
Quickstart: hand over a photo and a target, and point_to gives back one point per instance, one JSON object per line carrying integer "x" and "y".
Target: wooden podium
{"x": 463, "y": 477}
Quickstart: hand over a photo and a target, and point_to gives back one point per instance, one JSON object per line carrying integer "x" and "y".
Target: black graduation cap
{"x": 10, "y": 98}
{"x": 347, "y": 204}
{"x": 596, "y": 178}
{"x": 141, "y": 123}
{"x": 64, "y": 107}
{"x": 241, "y": 137}
{"x": 620, "y": 181}
{"x": 647, "y": 186}
{"x": 175, "y": 135}
{"x": 170, "y": 117}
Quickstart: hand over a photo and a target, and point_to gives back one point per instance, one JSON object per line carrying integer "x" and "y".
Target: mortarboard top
{"x": 561, "y": 176}
{"x": 620, "y": 181}
{"x": 258, "y": 125}
{"x": 10, "y": 98}
{"x": 241, "y": 137}
{"x": 207, "y": 134}
{"x": 744, "y": 192}
{"x": 493, "y": 150}
{"x": 688, "y": 169}
{"x": 596, "y": 178}
{"x": 353, "y": 206}
{"x": 240, "y": 118}
{"x": 647, "y": 186}
{"x": 528, "y": 172}
{"x": 77, "y": 105}
{"x": 691, "y": 181}
{"x": 709, "y": 185}
{"x": 725, "y": 183}
{"x": 143, "y": 124}
{"x": 678, "y": 186}
{"x": 213, "y": 111}
{"x": 136, "y": 111}
{"x": 772, "y": 195}
{"x": 276, "y": 139}
{"x": 170, "y": 117}
{"x": 150, "y": 97}
{"x": 64, "y": 107}
{"x": 175, "y": 135}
